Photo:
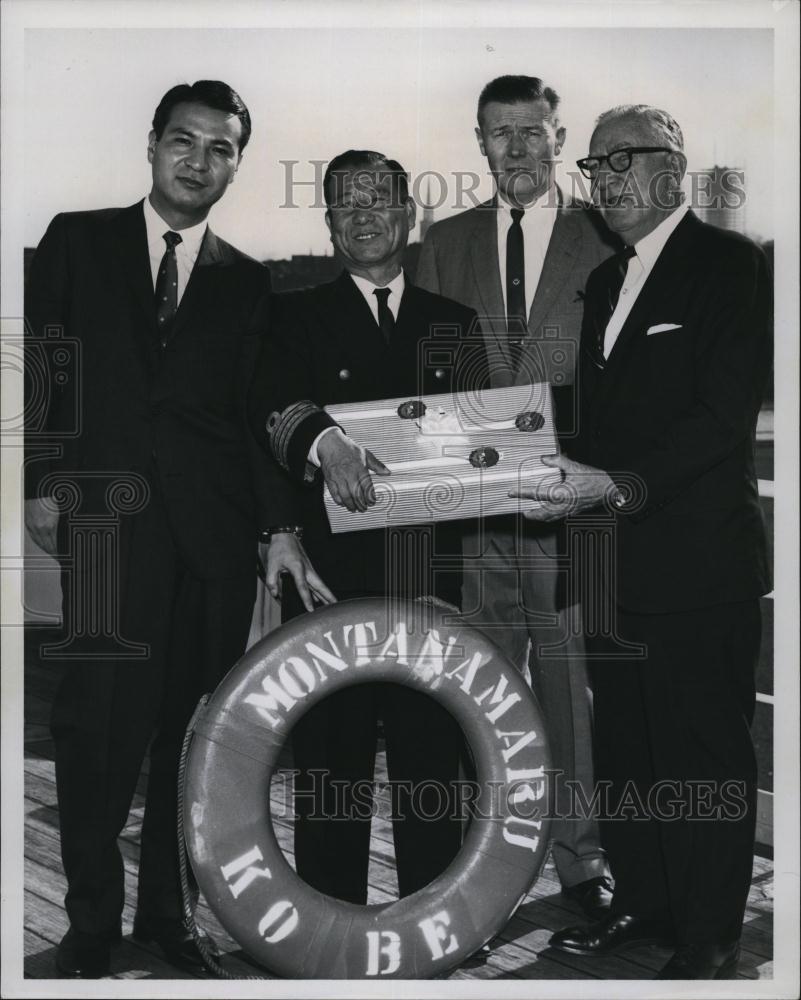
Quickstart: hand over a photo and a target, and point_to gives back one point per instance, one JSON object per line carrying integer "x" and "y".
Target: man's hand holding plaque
{"x": 451, "y": 456}
{"x": 583, "y": 488}
{"x": 346, "y": 468}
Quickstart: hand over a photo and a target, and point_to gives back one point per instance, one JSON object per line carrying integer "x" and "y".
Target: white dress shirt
{"x": 639, "y": 267}
{"x": 367, "y": 288}
{"x": 537, "y": 225}
{"x": 185, "y": 252}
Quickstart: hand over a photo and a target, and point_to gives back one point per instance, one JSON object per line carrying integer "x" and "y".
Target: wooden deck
{"x": 520, "y": 951}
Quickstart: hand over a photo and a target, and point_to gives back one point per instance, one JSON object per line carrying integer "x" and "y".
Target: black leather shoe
{"x": 611, "y": 934}
{"x": 703, "y": 961}
{"x": 594, "y": 896}
{"x": 83, "y": 956}
{"x": 176, "y": 942}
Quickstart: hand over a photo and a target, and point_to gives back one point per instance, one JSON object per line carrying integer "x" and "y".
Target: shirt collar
{"x": 367, "y": 287}
{"x": 650, "y": 246}
{"x": 546, "y": 203}
{"x": 191, "y": 238}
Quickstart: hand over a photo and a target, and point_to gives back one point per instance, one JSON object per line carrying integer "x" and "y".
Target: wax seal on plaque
{"x": 484, "y": 458}
{"x": 411, "y": 409}
{"x": 529, "y": 421}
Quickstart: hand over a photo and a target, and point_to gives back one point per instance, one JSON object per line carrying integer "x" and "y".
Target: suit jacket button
{"x": 344, "y": 374}
{"x": 439, "y": 373}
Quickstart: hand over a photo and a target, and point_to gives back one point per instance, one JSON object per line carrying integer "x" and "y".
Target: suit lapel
{"x": 563, "y": 248}
{"x": 350, "y": 321}
{"x": 668, "y": 271}
{"x": 211, "y": 257}
{"x": 129, "y": 242}
{"x": 487, "y": 275}
{"x": 484, "y": 260}
{"x": 408, "y": 313}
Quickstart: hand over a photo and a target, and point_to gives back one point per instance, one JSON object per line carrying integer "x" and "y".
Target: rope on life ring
{"x": 279, "y": 920}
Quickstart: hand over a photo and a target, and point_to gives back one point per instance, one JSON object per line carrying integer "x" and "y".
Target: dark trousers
{"x": 334, "y": 748}
{"x": 672, "y": 740}
{"x": 512, "y": 592}
{"x": 108, "y": 709}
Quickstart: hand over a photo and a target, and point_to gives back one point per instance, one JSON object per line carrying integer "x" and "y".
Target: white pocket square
{"x": 662, "y": 328}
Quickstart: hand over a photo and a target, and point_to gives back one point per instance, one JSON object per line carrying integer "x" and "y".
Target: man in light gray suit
{"x": 521, "y": 261}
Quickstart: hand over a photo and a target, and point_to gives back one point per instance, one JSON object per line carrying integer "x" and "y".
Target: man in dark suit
{"x": 521, "y": 261}
{"x": 675, "y": 354}
{"x": 168, "y": 319}
{"x": 359, "y": 338}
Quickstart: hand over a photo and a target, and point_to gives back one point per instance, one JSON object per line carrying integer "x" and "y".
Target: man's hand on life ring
{"x": 285, "y": 554}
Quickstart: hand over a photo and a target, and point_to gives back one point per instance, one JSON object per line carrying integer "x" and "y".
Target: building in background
{"x": 302, "y": 271}
{"x": 719, "y": 198}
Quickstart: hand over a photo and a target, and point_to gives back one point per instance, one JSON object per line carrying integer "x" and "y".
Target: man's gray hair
{"x": 659, "y": 123}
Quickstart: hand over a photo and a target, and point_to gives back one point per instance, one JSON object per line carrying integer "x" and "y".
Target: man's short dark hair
{"x": 515, "y": 90}
{"x": 214, "y": 94}
{"x": 370, "y": 162}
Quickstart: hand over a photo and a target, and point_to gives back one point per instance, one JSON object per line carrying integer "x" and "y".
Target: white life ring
{"x": 294, "y": 930}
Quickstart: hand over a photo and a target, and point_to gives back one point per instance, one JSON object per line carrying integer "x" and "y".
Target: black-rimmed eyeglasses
{"x": 619, "y": 160}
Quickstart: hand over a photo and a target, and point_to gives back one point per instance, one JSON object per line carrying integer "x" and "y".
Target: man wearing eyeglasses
{"x": 521, "y": 260}
{"x": 675, "y": 355}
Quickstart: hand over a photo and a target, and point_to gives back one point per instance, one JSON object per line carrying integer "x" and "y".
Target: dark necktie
{"x": 617, "y": 275}
{"x": 385, "y": 318}
{"x": 167, "y": 286}
{"x": 516, "y": 319}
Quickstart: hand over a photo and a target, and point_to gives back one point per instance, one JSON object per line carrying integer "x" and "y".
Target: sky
{"x": 411, "y": 92}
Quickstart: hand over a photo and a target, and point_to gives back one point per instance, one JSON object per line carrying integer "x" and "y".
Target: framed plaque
{"x": 452, "y": 456}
